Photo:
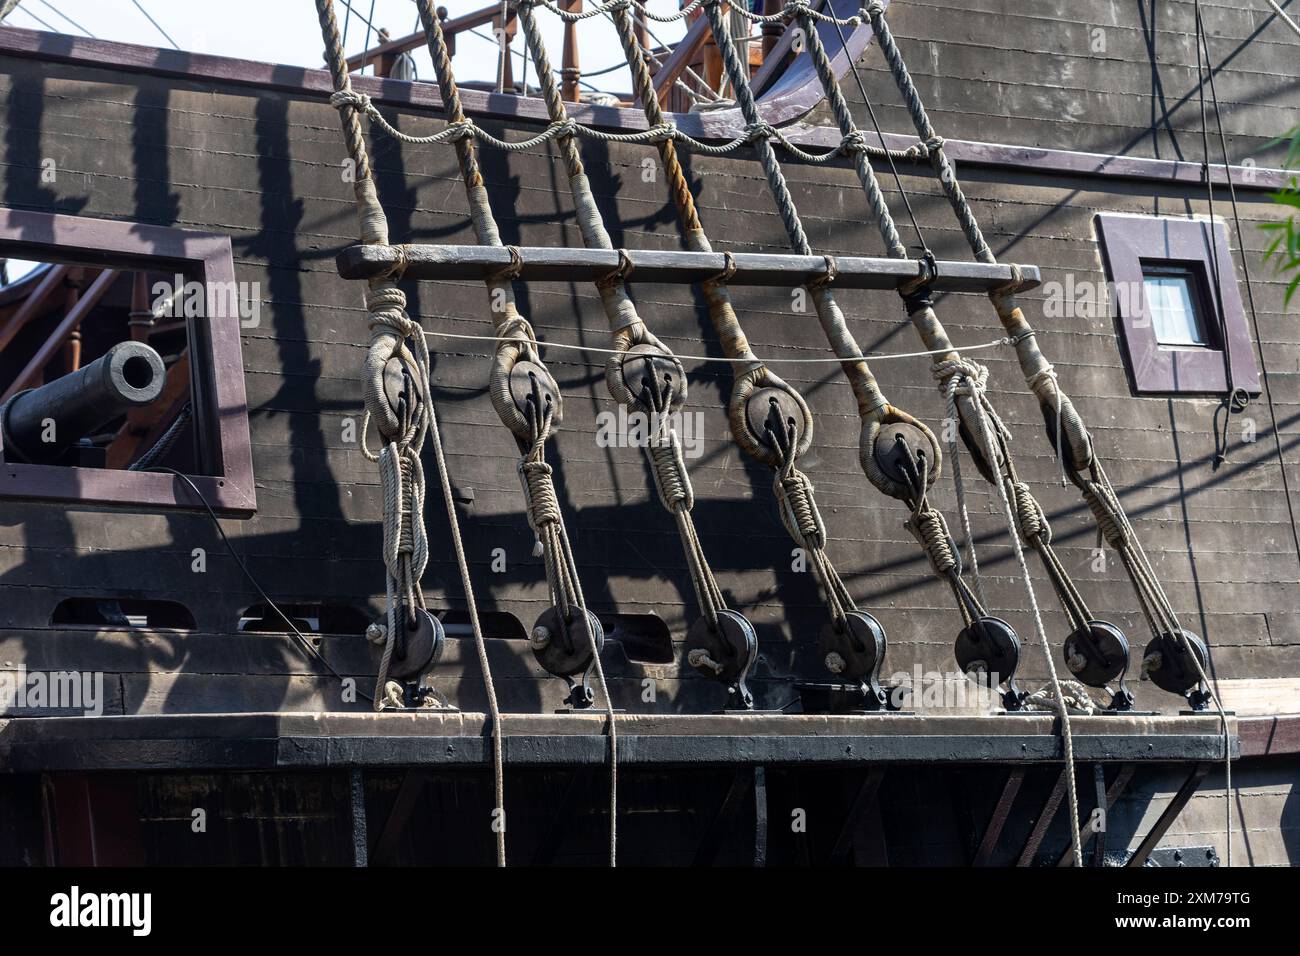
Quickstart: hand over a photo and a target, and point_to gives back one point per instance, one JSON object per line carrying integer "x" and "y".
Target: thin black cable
{"x": 139, "y": 6}
{"x": 1250, "y": 297}
{"x": 303, "y": 639}
{"x": 1230, "y": 390}
{"x": 893, "y": 167}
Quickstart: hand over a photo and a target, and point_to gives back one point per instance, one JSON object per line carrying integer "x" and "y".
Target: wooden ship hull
{"x": 175, "y": 163}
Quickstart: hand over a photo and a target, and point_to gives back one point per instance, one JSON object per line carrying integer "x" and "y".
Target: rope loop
{"x": 799, "y": 513}
{"x": 512, "y": 271}
{"x": 828, "y": 276}
{"x": 619, "y": 274}
{"x": 349, "y": 97}
{"x": 728, "y": 269}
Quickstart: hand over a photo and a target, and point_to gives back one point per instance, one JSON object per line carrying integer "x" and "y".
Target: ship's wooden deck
{"x": 451, "y": 739}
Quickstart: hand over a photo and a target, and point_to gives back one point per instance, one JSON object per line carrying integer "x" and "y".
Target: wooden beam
{"x": 408, "y": 795}
{"x": 862, "y": 802}
{"x": 570, "y": 71}
{"x": 415, "y": 40}
{"x": 1166, "y": 820}
{"x": 1117, "y": 787}
{"x": 684, "y": 53}
{"x": 61, "y": 332}
{"x": 998, "y": 819}
{"x": 1045, "y": 817}
{"x": 33, "y": 304}
{"x": 548, "y": 264}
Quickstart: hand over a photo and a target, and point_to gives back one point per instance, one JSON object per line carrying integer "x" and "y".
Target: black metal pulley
{"x": 417, "y": 645}
{"x": 988, "y": 652}
{"x": 1169, "y": 664}
{"x": 726, "y": 653}
{"x": 562, "y": 643}
{"x": 855, "y": 651}
{"x": 1097, "y": 654}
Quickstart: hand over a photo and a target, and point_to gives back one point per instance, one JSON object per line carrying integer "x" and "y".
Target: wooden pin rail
{"x": 545, "y": 264}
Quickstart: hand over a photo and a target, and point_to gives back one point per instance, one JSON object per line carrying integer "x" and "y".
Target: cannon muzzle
{"x": 41, "y": 424}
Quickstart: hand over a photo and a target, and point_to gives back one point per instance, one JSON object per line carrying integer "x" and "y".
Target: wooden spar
{"x": 681, "y": 57}
{"x": 548, "y": 264}
{"x": 61, "y": 332}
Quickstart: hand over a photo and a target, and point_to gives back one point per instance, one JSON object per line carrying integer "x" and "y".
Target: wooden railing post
{"x": 570, "y": 73}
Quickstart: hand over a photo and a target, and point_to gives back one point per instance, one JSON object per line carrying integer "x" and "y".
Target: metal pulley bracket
{"x": 529, "y": 382}
{"x": 418, "y": 644}
{"x": 988, "y": 652}
{"x": 1097, "y": 654}
{"x": 563, "y": 645}
{"x": 1169, "y": 666}
{"x": 771, "y": 410}
{"x": 859, "y": 643}
{"x": 899, "y": 445}
{"x": 649, "y": 362}
{"x": 726, "y": 653}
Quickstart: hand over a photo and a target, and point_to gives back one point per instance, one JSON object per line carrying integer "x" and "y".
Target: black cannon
{"x": 40, "y": 425}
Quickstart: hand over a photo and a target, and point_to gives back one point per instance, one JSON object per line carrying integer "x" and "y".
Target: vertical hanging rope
{"x": 533, "y": 428}
{"x": 395, "y": 336}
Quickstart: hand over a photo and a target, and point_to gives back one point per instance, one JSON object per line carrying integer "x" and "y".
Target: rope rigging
{"x": 1175, "y": 659}
{"x": 898, "y": 454}
{"x": 769, "y": 419}
{"x": 397, "y": 397}
{"x": 644, "y": 376}
{"x": 567, "y": 638}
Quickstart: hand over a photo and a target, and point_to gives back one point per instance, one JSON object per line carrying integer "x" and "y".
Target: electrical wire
{"x": 302, "y": 638}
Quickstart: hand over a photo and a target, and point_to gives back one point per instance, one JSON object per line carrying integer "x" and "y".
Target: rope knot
{"x": 934, "y": 144}
{"x": 387, "y": 307}
{"x": 799, "y": 511}
{"x": 931, "y": 532}
{"x": 962, "y": 375}
{"x": 543, "y": 504}
{"x": 873, "y": 9}
{"x": 349, "y": 97}
{"x": 671, "y": 477}
{"x": 854, "y": 142}
{"x": 1029, "y": 514}
{"x": 760, "y": 130}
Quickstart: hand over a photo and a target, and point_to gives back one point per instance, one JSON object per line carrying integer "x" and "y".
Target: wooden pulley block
{"x": 899, "y": 445}
{"x": 988, "y": 652}
{"x": 1097, "y": 654}
{"x": 401, "y": 388}
{"x": 648, "y": 365}
{"x": 1169, "y": 665}
{"x": 725, "y": 653}
{"x": 530, "y": 381}
{"x": 773, "y": 408}
{"x": 418, "y": 645}
{"x": 855, "y": 651}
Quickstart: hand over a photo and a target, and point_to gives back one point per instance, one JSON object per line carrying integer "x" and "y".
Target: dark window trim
{"x": 1156, "y": 369}
{"x": 220, "y": 400}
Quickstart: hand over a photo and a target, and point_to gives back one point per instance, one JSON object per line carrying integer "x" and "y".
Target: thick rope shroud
{"x": 531, "y": 427}
{"x": 395, "y": 337}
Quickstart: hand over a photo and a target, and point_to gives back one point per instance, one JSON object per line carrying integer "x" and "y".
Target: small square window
{"x": 1177, "y": 328}
{"x": 1172, "y": 296}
